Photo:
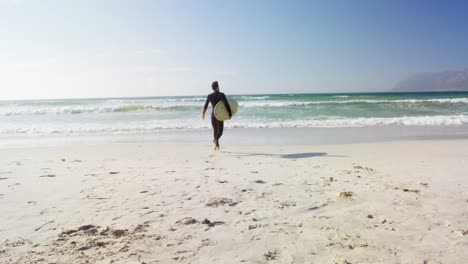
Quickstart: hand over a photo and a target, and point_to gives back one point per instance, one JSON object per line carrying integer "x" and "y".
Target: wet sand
{"x": 388, "y": 202}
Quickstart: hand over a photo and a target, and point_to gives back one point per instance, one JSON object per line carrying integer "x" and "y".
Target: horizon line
{"x": 253, "y": 94}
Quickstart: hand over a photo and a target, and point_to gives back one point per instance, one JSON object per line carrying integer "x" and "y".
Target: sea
{"x": 153, "y": 115}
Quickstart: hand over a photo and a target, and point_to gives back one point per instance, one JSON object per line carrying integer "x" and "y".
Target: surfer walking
{"x": 215, "y": 97}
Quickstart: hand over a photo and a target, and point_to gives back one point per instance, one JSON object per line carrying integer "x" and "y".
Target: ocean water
{"x": 37, "y": 118}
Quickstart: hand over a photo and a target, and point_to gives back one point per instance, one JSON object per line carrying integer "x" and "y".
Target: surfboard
{"x": 220, "y": 111}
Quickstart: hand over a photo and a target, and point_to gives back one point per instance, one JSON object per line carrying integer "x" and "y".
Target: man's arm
{"x": 206, "y": 106}
{"x": 227, "y": 105}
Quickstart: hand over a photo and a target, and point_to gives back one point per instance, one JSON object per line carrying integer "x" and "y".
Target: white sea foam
{"x": 452, "y": 120}
{"x": 188, "y": 104}
{"x": 356, "y": 101}
{"x": 162, "y": 99}
{"x": 194, "y": 124}
{"x": 12, "y": 111}
{"x": 251, "y": 97}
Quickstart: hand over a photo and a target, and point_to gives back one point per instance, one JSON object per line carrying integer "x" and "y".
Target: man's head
{"x": 215, "y": 86}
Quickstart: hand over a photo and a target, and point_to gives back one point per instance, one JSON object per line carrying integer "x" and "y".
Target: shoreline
{"x": 255, "y": 136}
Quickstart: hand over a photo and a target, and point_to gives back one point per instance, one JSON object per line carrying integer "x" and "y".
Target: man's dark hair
{"x": 215, "y": 85}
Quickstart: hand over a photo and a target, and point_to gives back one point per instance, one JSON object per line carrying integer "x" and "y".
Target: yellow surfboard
{"x": 220, "y": 111}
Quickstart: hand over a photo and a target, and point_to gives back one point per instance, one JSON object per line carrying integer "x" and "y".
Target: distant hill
{"x": 434, "y": 81}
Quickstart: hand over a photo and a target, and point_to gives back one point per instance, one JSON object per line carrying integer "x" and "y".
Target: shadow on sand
{"x": 286, "y": 156}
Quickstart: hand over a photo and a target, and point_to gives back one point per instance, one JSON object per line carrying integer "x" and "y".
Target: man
{"x": 218, "y": 126}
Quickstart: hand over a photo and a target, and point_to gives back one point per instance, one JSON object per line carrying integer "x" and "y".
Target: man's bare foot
{"x": 216, "y": 144}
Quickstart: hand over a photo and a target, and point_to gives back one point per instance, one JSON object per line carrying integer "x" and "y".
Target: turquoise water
{"x": 153, "y": 114}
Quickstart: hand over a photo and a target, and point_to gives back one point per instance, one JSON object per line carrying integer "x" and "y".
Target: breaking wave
{"x": 134, "y": 128}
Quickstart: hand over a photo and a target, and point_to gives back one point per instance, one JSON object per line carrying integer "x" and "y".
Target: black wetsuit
{"x": 218, "y": 126}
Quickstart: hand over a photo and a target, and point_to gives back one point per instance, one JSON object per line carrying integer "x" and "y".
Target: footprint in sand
{"x": 47, "y": 176}
{"x": 359, "y": 168}
{"x": 215, "y": 202}
{"x": 15, "y": 243}
{"x": 347, "y": 172}
{"x": 403, "y": 189}
{"x": 150, "y": 212}
{"x": 316, "y": 207}
{"x": 117, "y": 217}
{"x": 253, "y": 227}
{"x": 347, "y": 196}
{"x": 39, "y": 228}
{"x": 410, "y": 190}
{"x": 284, "y": 204}
{"x": 91, "y": 237}
{"x": 212, "y": 224}
{"x": 187, "y": 221}
{"x": 271, "y": 255}
{"x": 328, "y": 182}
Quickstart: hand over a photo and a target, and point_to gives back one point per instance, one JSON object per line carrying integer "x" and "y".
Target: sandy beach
{"x": 387, "y": 202}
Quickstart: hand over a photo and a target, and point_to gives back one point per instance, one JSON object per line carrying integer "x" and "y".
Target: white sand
{"x": 401, "y": 202}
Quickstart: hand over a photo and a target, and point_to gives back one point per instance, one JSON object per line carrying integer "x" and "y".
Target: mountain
{"x": 434, "y": 81}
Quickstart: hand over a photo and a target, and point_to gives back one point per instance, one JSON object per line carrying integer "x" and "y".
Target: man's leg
{"x": 214, "y": 124}
{"x": 220, "y": 128}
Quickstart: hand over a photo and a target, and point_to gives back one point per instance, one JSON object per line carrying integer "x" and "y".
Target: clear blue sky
{"x": 110, "y": 48}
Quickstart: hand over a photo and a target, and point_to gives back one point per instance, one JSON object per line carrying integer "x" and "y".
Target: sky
{"x": 121, "y": 48}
